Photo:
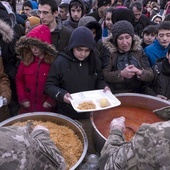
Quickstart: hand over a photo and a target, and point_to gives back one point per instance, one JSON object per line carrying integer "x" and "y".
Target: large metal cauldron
{"x": 55, "y": 118}
{"x": 142, "y": 105}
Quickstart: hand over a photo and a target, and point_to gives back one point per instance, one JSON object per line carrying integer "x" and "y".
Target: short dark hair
{"x": 137, "y": 4}
{"x": 51, "y": 3}
{"x": 150, "y": 29}
{"x": 65, "y": 6}
{"x": 77, "y": 4}
{"x": 164, "y": 25}
{"x": 27, "y": 3}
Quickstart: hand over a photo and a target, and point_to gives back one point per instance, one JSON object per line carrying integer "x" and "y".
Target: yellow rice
{"x": 65, "y": 139}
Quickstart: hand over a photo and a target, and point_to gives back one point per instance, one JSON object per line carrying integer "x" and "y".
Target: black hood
{"x": 81, "y": 3}
{"x": 95, "y": 25}
{"x": 81, "y": 37}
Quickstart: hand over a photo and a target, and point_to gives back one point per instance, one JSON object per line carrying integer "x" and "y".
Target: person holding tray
{"x": 76, "y": 69}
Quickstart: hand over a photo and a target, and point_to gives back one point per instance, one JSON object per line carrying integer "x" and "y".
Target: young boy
{"x": 159, "y": 47}
{"x": 160, "y": 86}
{"x": 76, "y": 69}
{"x": 76, "y": 11}
{"x": 149, "y": 35}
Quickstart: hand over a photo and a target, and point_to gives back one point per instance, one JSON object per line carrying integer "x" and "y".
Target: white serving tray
{"x": 94, "y": 96}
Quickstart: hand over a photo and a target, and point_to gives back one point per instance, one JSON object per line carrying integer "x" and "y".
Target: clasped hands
{"x": 129, "y": 71}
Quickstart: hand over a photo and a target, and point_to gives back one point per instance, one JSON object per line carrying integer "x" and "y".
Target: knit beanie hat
{"x": 81, "y": 37}
{"x": 122, "y": 27}
{"x": 103, "y": 3}
{"x": 33, "y": 20}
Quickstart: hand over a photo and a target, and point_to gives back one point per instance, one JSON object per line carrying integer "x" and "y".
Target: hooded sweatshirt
{"x": 69, "y": 75}
{"x": 70, "y": 23}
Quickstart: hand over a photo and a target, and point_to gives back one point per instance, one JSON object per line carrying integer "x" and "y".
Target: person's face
{"x": 148, "y": 38}
{"x": 157, "y": 20}
{"x": 46, "y": 16}
{"x": 124, "y": 42}
{"x": 76, "y": 13}
{"x": 36, "y": 51}
{"x": 163, "y": 37}
{"x": 137, "y": 14}
{"x": 62, "y": 13}
{"x": 27, "y": 10}
{"x": 102, "y": 9}
{"x": 108, "y": 20}
{"x": 81, "y": 52}
{"x": 27, "y": 26}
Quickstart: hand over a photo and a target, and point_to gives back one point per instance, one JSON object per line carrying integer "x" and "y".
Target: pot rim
{"x": 76, "y": 123}
{"x": 126, "y": 95}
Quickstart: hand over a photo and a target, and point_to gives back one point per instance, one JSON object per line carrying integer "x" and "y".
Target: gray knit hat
{"x": 122, "y": 27}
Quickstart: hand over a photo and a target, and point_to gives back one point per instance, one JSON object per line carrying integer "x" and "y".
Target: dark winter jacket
{"x": 69, "y": 75}
{"x": 161, "y": 83}
{"x": 141, "y": 24}
{"x": 116, "y": 63}
{"x": 60, "y": 36}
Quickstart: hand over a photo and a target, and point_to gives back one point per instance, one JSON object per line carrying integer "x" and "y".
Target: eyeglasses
{"x": 43, "y": 12}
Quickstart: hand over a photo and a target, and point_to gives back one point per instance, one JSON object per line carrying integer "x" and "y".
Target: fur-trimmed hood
{"x": 40, "y": 37}
{"x": 112, "y": 48}
{"x": 6, "y": 32}
{"x": 24, "y": 51}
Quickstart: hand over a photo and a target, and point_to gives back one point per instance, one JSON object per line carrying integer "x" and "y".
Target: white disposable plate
{"x": 93, "y": 96}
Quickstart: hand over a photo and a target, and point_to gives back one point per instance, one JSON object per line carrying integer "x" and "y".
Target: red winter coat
{"x": 30, "y": 82}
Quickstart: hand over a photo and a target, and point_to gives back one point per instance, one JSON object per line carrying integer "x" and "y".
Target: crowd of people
{"x": 53, "y": 48}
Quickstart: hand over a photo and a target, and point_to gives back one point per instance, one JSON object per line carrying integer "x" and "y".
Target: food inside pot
{"x": 134, "y": 119}
{"x": 65, "y": 139}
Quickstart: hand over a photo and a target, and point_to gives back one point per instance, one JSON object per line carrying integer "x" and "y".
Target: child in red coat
{"x": 36, "y": 54}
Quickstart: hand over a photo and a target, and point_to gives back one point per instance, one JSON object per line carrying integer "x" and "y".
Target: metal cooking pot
{"x": 55, "y": 118}
{"x": 103, "y": 117}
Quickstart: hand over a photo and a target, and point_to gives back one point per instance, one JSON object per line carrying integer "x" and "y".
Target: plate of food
{"x": 94, "y": 100}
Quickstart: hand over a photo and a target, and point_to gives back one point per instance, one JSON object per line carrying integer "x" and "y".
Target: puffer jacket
{"x": 32, "y": 72}
{"x": 35, "y": 76}
{"x": 116, "y": 61}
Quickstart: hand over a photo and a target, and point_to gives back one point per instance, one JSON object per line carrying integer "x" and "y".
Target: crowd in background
{"x": 53, "y": 48}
